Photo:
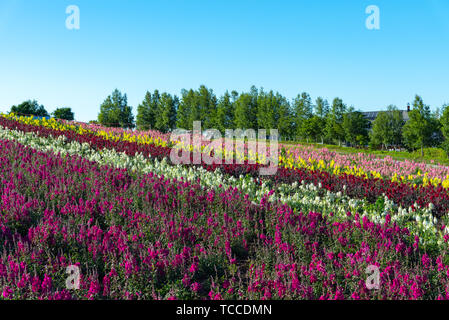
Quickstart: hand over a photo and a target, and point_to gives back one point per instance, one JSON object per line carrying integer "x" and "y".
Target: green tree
{"x": 436, "y": 137}
{"x": 245, "y": 111}
{"x": 303, "y": 110}
{"x": 199, "y": 105}
{"x": 147, "y": 111}
{"x": 205, "y": 107}
{"x": 185, "y": 109}
{"x": 64, "y": 113}
{"x": 166, "y": 113}
{"x": 267, "y": 110}
{"x": 355, "y": 126}
{"x": 321, "y": 107}
{"x": 417, "y": 132}
{"x": 284, "y": 119}
{"x": 387, "y": 128}
{"x": 321, "y": 111}
{"x": 224, "y": 118}
{"x": 115, "y": 112}
{"x": 444, "y": 122}
{"x": 334, "y": 121}
{"x": 313, "y": 128}
{"x": 30, "y": 107}
{"x": 254, "y": 94}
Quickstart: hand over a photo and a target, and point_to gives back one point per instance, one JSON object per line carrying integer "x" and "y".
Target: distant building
{"x": 372, "y": 115}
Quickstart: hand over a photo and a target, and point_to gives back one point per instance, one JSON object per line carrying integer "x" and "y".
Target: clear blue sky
{"x": 318, "y": 46}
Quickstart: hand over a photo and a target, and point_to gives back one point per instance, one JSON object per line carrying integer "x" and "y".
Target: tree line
{"x": 33, "y": 108}
{"x": 299, "y": 119}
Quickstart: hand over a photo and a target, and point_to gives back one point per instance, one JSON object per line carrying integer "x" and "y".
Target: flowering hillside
{"x": 138, "y": 226}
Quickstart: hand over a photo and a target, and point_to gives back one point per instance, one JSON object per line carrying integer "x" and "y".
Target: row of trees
{"x": 32, "y": 107}
{"x": 298, "y": 119}
{"x": 256, "y": 109}
{"x": 423, "y": 128}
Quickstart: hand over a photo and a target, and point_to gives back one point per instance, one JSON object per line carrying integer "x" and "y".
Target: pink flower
{"x": 193, "y": 268}
{"x": 186, "y": 280}
{"x": 195, "y": 287}
{"x": 7, "y": 293}
{"x": 355, "y": 296}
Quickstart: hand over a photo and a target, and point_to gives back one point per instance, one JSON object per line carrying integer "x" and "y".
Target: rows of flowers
{"x": 369, "y": 165}
{"x": 142, "y": 236}
{"x": 420, "y": 221}
{"x": 307, "y": 157}
{"x": 353, "y": 186}
{"x": 293, "y": 156}
{"x": 145, "y": 137}
{"x": 114, "y": 134}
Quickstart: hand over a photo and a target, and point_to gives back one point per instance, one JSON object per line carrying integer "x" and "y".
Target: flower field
{"x": 140, "y": 227}
{"x": 296, "y": 156}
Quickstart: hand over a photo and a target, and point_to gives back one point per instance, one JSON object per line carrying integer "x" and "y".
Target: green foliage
{"x": 199, "y": 105}
{"x": 30, "y": 107}
{"x": 64, "y": 113}
{"x": 387, "y": 128}
{"x": 334, "y": 121}
{"x": 284, "y": 118}
{"x": 321, "y": 107}
{"x": 147, "y": 111}
{"x": 303, "y": 111}
{"x": 378, "y": 206}
{"x": 224, "y": 118}
{"x": 115, "y": 112}
{"x": 418, "y": 131}
{"x": 430, "y": 154}
{"x": 444, "y": 122}
{"x": 166, "y": 113}
{"x": 206, "y": 106}
{"x": 157, "y": 112}
{"x": 245, "y": 111}
{"x": 314, "y": 127}
{"x": 267, "y": 109}
{"x": 185, "y": 108}
{"x": 355, "y": 127}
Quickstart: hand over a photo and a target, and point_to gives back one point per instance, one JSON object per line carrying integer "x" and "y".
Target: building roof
{"x": 372, "y": 115}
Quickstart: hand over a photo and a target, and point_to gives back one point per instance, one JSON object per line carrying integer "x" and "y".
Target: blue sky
{"x": 318, "y": 46}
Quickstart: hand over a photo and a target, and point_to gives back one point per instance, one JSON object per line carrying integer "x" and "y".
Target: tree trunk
{"x": 422, "y": 150}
